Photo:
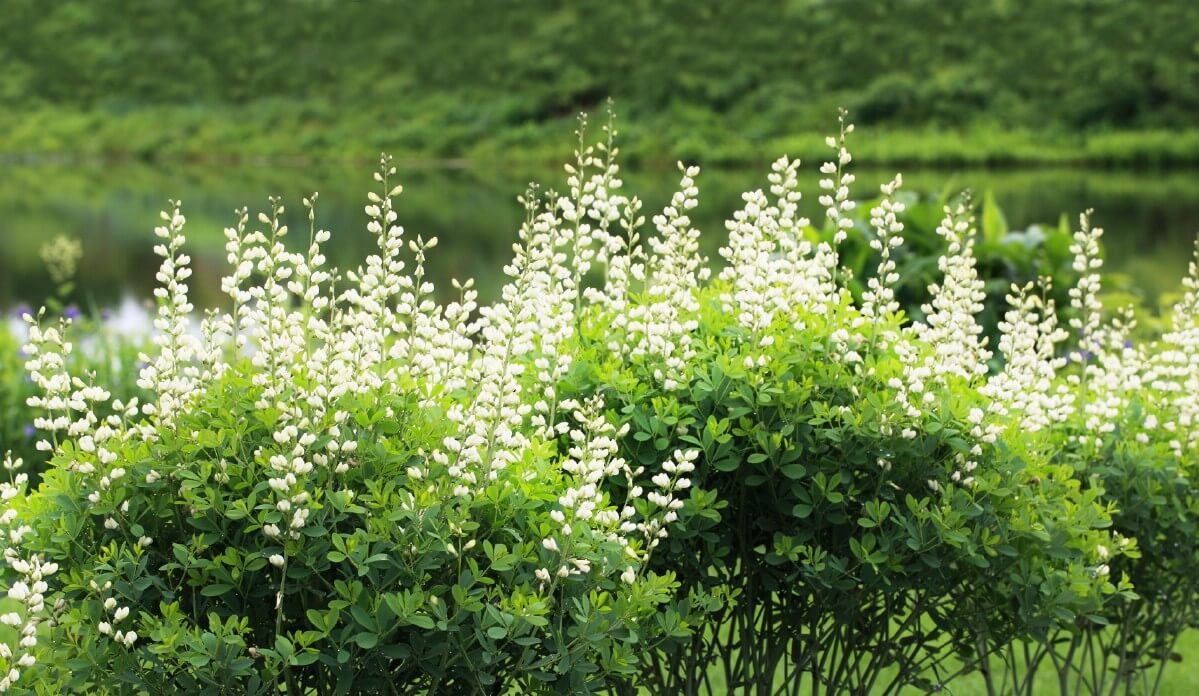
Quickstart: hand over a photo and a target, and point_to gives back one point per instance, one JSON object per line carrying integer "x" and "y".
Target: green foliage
{"x": 825, "y": 546}
{"x": 378, "y": 595}
{"x": 1156, "y": 503}
{"x": 445, "y": 79}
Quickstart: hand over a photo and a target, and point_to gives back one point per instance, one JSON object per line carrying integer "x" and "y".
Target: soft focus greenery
{"x": 1059, "y": 81}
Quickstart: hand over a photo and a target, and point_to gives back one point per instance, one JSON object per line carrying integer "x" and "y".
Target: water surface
{"x": 1150, "y": 218}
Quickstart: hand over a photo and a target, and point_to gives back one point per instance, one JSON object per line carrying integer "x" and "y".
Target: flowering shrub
{"x": 626, "y": 472}
{"x": 1130, "y": 431}
{"x": 855, "y": 512}
{"x": 356, "y": 505}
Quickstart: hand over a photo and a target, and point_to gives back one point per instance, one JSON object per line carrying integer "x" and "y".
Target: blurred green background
{"x": 1052, "y": 80}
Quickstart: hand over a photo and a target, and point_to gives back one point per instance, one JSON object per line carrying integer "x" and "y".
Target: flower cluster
{"x": 588, "y": 515}
{"x": 1084, "y": 297}
{"x": 61, "y": 256}
{"x": 170, "y": 374}
{"x": 769, "y": 267}
{"x": 1175, "y": 369}
{"x": 657, "y": 327}
{"x": 878, "y": 300}
{"x": 1027, "y": 389}
{"x": 28, "y": 589}
{"x": 47, "y": 350}
{"x": 950, "y": 326}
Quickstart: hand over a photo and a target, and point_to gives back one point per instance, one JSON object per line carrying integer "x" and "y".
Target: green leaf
{"x": 305, "y": 658}
{"x": 497, "y": 632}
{"x": 994, "y": 225}
{"x": 794, "y": 471}
{"x": 726, "y": 464}
{"x": 216, "y": 589}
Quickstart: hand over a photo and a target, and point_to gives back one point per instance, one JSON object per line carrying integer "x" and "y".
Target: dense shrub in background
{"x": 625, "y": 473}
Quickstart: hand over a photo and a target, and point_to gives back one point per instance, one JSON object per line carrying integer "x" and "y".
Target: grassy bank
{"x": 986, "y": 83}
{"x": 280, "y": 130}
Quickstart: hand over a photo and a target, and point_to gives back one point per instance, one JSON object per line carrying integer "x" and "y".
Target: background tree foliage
{"x": 444, "y": 75}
